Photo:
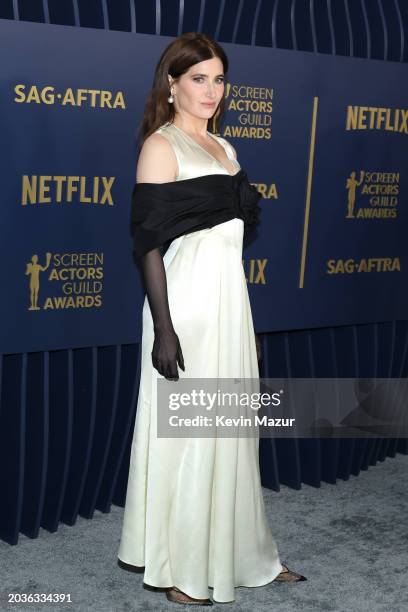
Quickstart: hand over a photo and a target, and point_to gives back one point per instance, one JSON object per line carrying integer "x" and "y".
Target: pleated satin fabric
{"x": 194, "y": 515}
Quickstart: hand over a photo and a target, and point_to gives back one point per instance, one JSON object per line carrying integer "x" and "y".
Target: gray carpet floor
{"x": 349, "y": 539}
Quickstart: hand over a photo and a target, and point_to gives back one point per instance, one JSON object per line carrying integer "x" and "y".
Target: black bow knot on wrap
{"x": 246, "y": 200}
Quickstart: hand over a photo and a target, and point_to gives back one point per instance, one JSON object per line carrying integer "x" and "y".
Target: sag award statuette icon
{"x": 33, "y": 269}
{"x": 351, "y": 185}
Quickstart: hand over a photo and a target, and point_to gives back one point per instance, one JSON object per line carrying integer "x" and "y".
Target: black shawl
{"x": 161, "y": 212}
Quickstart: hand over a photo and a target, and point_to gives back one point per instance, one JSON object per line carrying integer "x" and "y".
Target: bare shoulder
{"x": 157, "y": 161}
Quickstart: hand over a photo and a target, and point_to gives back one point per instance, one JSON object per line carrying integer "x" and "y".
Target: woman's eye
{"x": 200, "y": 79}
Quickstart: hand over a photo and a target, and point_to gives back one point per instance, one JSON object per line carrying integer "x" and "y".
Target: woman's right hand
{"x": 167, "y": 353}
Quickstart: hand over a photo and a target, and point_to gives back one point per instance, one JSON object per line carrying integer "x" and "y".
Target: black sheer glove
{"x": 166, "y": 351}
{"x": 258, "y": 347}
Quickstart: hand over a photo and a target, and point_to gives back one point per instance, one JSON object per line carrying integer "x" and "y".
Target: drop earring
{"x": 170, "y": 98}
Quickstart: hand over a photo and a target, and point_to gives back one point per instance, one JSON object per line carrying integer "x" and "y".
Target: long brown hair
{"x": 186, "y": 50}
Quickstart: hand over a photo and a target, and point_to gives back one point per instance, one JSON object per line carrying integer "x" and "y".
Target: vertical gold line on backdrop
{"x": 308, "y": 192}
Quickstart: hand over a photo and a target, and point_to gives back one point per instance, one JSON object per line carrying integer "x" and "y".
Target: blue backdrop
{"x": 322, "y": 138}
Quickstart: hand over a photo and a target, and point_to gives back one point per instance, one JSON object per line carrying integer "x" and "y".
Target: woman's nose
{"x": 210, "y": 91}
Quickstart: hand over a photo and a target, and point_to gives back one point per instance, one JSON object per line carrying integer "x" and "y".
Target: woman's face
{"x": 199, "y": 91}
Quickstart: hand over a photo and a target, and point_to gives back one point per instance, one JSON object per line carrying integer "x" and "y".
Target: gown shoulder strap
{"x": 228, "y": 148}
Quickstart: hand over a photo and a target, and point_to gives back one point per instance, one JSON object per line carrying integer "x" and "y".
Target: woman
{"x": 194, "y": 515}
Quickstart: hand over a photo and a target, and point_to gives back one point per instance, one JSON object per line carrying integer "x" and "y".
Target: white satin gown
{"x": 194, "y": 515}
